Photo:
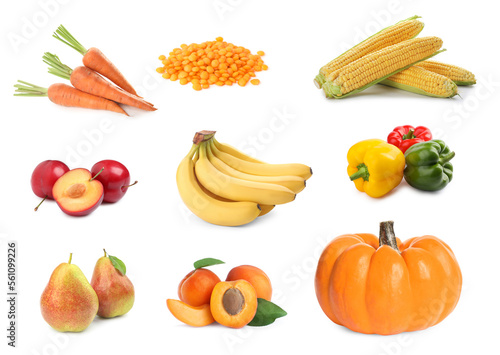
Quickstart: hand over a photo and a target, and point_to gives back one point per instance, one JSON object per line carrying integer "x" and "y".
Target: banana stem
{"x": 194, "y": 149}
{"x": 203, "y": 150}
{"x": 203, "y": 136}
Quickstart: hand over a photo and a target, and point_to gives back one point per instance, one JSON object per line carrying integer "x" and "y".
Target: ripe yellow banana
{"x": 294, "y": 183}
{"x": 262, "y": 169}
{"x": 237, "y": 189}
{"x": 226, "y": 148}
{"x": 206, "y": 207}
{"x": 264, "y": 209}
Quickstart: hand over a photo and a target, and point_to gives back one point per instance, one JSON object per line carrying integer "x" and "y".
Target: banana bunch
{"x": 224, "y": 186}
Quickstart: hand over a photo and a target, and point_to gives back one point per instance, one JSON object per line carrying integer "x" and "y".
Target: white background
{"x": 152, "y": 232}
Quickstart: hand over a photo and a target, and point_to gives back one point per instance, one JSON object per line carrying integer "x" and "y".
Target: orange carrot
{"x": 97, "y": 61}
{"x": 94, "y": 59}
{"x": 89, "y": 81}
{"x": 65, "y": 95}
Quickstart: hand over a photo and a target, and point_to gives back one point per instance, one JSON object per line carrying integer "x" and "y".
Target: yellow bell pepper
{"x": 375, "y": 166}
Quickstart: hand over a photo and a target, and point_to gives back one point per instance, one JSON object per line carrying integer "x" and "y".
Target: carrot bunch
{"x": 90, "y": 89}
{"x": 212, "y": 62}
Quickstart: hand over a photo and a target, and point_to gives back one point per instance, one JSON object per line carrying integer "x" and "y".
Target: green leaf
{"x": 267, "y": 313}
{"x": 118, "y": 264}
{"x": 207, "y": 262}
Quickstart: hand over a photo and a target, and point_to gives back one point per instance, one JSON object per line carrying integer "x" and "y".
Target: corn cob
{"x": 377, "y": 66}
{"x": 420, "y": 81}
{"x": 459, "y": 75}
{"x": 396, "y": 33}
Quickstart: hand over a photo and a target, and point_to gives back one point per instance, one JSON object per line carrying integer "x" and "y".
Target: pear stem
{"x": 126, "y": 187}
{"x": 70, "y": 258}
{"x": 36, "y": 208}
{"x": 96, "y": 175}
{"x": 105, "y": 254}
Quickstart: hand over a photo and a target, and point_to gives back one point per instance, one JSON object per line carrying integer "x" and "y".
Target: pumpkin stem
{"x": 387, "y": 236}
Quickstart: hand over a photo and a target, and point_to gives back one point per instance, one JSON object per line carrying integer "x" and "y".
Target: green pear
{"x": 114, "y": 289}
{"x": 69, "y": 303}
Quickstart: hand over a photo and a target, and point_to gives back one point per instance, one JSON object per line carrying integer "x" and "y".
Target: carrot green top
{"x": 56, "y": 67}
{"x": 27, "y": 89}
{"x": 65, "y": 37}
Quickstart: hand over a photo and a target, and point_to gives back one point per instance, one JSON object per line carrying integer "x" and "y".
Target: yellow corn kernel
{"x": 378, "y": 64}
{"x": 391, "y": 35}
{"x": 459, "y": 75}
{"x": 421, "y": 81}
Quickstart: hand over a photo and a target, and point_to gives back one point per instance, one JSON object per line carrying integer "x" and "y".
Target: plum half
{"x": 77, "y": 193}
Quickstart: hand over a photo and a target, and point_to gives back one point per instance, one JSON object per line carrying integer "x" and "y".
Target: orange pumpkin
{"x": 387, "y": 287}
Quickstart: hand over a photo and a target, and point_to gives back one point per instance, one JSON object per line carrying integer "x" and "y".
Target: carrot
{"x": 94, "y": 59}
{"x": 89, "y": 81}
{"x": 65, "y": 95}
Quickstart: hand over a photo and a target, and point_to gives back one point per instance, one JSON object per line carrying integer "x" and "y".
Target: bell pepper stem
{"x": 361, "y": 173}
{"x": 446, "y": 157}
{"x": 409, "y": 135}
{"x": 387, "y": 236}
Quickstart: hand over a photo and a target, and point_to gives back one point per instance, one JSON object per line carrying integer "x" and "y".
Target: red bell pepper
{"x": 404, "y": 137}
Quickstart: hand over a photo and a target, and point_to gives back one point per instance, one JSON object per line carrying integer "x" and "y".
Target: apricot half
{"x": 233, "y": 303}
{"x": 193, "y": 316}
{"x": 256, "y": 277}
{"x": 196, "y": 287}
{"x": 77, "y": 194}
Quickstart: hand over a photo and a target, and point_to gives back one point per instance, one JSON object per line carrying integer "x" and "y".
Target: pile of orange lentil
{"x": 213, "y": 62}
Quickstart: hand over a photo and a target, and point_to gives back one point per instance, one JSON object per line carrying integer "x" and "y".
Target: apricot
{"x": 194, "y": 316}
{"x": 196, "y": 287}
{"x": 256, "y": 277}
{"x": 233, "y": 303}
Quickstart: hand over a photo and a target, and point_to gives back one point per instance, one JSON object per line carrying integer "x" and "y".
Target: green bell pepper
{"x": 428, "y": 165}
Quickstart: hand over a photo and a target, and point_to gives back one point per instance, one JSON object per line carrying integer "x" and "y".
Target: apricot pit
{"x": 233, "y": 303}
